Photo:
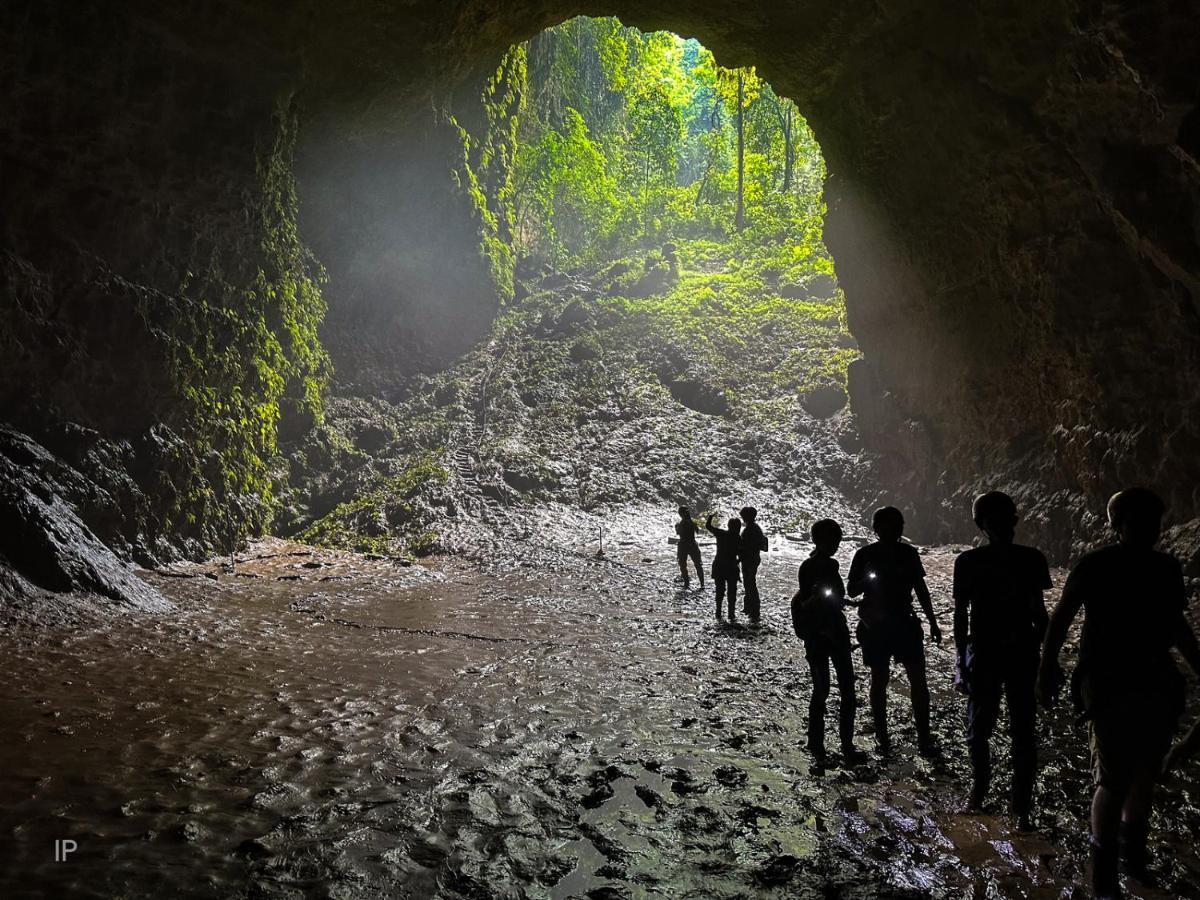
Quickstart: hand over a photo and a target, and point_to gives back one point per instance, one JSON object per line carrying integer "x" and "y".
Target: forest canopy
{"x": 630, "y": 140}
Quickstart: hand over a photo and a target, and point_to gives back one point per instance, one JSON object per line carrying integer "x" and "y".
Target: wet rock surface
{"x": 53, "y": 567}
{"x": 661, "y": 411}
{"x": 533, "y": 721}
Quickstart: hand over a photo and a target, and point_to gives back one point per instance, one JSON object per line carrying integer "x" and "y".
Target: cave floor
{"x": 532, "y": 721}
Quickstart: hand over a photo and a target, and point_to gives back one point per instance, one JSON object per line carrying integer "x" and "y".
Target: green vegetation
{"x": 485, "y": 173}
{"x": 384, "y": 520}
{"x": 243, "y": 348}
{"x": 722, "y": 314}
{"x": 631, "y": 140}
{"x": 653, "y": 223}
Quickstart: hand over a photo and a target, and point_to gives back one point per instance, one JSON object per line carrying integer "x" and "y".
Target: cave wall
{"x": 1021, "y": 270}
{"x": 1013, "y": 212}
{"x": 159, "y": 309}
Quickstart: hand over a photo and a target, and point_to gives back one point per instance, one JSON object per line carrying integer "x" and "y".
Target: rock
{"x": 371, "y": 437}
{"x": 824, "y": 401}
{"x": 814, "y": 287}
{"x": 656, "y": 281}
{"x": 699, "y": 396}
{"x": 44, "y": 541}
{"x": 846, "y": 341}
{"x": 1183, "y": 541}
{"x": 523, "y": 482}
{"x": 1068, "y": 247}
{"x": 821, "y": 287}
{"x": 574, "y": 315}
{"x": 584, "y": 350}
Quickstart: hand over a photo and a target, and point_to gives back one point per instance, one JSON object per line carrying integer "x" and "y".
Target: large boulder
{"x": 45, "y": 545}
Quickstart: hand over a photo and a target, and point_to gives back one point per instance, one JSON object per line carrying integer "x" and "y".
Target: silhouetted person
{"x": 725, "y": 563}
{"x": 1133, "y": 599}
{"x": 752, "y": 543}
{"x": 818, "y": 620}
{"x": 688, "y": 548}
{"x": 999, "y": 622}
{"x": 887, "y": 573}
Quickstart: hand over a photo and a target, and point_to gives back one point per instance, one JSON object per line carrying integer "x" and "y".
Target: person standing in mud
{"x": 725, "y": 563}
{"x": 999, "y": 622}
{"x": 1133, "y": 600}
{"x": 818, "y": 620}
{"x": 752, "y": 543}
{"x": 887, "y": 573}
{"x": 686, "y": 529}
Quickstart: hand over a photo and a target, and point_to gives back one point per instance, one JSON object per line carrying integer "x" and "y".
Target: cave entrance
{"x": 672, "y": 332}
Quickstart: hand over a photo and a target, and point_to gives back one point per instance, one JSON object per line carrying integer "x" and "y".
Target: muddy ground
{"x": 524, "y": 721}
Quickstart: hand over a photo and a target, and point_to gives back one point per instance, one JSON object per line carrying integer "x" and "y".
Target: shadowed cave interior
{"x": 258, "y": 260}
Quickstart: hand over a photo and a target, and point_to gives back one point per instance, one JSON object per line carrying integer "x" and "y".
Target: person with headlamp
{"x": 887, "y": 573}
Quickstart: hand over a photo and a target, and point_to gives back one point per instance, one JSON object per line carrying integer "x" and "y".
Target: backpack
{"x": 806, "y": 615}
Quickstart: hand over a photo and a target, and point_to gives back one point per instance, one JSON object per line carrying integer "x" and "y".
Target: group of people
{"x": 1126, "y": 685}
{"x": 740, "y": 546}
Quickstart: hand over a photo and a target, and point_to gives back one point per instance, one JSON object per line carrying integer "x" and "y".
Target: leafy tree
{"x": 628, "y": 139}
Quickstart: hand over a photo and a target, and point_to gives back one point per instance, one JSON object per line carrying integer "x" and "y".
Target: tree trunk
{"x": 740, "y": 218}
{"x": 787, "y": 149}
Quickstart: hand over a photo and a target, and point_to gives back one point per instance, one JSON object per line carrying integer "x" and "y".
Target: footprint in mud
{"x": 608, "y": 892}
{"x": 703, "y": 820}
{"x": 652, "y": 798}
{"x": 607, "y": 846}
{"x": 683, "y": 782}
{"x": 427, "y": 854}
{"x": 601, "y": 784}
{"x": 597, "y": 797}
{"x": 730, "y": 776}
{"x": 276, "y": 797}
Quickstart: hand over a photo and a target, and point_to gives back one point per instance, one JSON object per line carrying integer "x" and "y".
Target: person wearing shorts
{"x": 1133, "y": 600}
{"x": 887, "y": 573}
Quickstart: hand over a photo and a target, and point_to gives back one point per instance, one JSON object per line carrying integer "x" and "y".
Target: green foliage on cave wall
{"x": 484, "y": 174}
{"x": 243, "y": 349}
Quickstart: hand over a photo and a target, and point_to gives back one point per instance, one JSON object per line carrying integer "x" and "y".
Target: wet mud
{"x": 528, "y": 721}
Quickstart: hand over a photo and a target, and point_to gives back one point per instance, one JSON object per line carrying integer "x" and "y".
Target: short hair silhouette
{"x": 1135, "y": 504}
{"x": 825, "y": 530}
{"x": 685, "y": 512}
{"x": 991, "y": 506}
{"x": 749, "y": 513}
{"x": 735, "y": 525}
{"x": 885, "y": 516}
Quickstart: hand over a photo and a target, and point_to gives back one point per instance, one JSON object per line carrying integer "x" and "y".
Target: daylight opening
{"x": 691, "y": 190}
{"x": 671, "y": 330}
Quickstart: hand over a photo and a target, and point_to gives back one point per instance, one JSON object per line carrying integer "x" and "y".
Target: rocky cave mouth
{"x": 291, "y": 369}
{"x": 658, "y": 232}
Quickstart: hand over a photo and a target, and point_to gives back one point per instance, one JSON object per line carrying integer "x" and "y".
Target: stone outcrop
{"x": 1013, "y": 200}
{"x": 46, "y": 549}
